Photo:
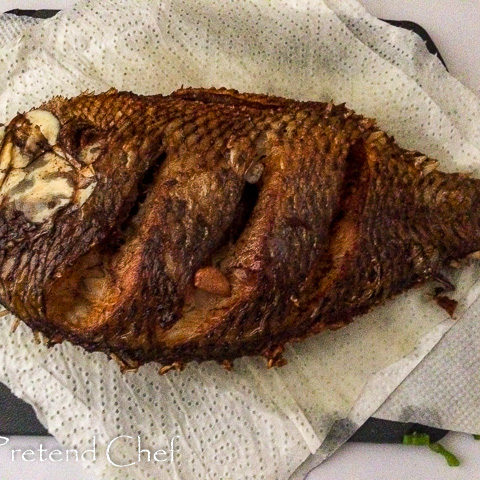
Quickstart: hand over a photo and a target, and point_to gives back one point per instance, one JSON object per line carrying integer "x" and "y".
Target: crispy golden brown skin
{"x": 209, "y": 224}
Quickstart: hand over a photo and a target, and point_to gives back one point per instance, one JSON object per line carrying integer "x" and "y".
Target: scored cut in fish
{"x": 210, "y": 224}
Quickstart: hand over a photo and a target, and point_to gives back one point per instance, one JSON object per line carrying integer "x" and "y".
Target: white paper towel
{"x": 444, "y": 390}
{"x": 251, "y": 423}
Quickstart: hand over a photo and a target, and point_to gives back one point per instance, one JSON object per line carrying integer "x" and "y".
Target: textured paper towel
{"x": 444, "y": 390}
{"x": 250, "y": 423}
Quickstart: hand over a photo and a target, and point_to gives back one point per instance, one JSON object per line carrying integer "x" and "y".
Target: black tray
{"x": 18, "y": 418}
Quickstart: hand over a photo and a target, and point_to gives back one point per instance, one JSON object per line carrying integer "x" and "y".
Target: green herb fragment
{"x": 423, "y": 439}
{"x": 416, "y": 439}
{"x": 451, "y": 459}
{"x": 476, "y": 437}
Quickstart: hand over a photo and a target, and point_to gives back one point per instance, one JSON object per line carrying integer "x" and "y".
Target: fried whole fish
{"x": 210, "y": 224}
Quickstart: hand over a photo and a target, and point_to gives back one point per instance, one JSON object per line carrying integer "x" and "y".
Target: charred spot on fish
{"x": 21, "y": 187}
{"x": 297, "y": 222}
{"x": 143, "y": 188}
{"x": 248, "y": 200}
{"x": 52, "y": 203}
{"x": 79, "y": 138}
{"x": 447, "y": 303}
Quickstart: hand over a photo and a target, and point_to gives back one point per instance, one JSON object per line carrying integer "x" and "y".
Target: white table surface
{"x": 454, "y": 26}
